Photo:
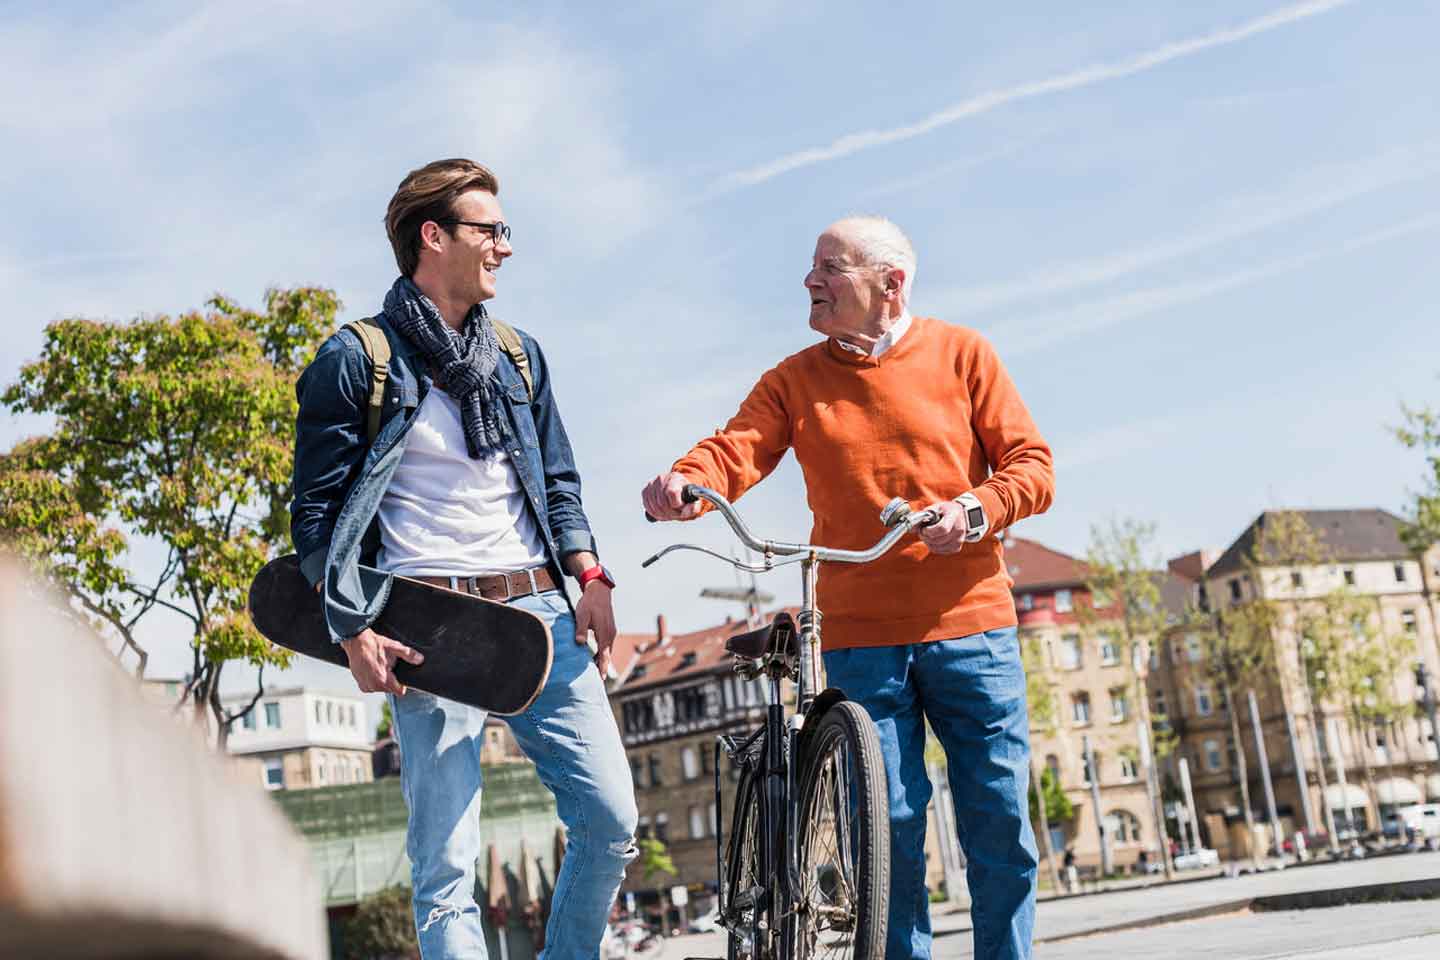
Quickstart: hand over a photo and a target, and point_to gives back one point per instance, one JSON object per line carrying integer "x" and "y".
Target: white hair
{"x": 882, "y": 244}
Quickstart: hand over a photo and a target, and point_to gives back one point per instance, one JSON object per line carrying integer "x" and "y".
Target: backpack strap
{"x": 377, "y": 349}
{"x": 510, "y": 340}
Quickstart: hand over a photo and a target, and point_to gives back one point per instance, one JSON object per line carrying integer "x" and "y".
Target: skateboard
{"x": 486, "y": 654}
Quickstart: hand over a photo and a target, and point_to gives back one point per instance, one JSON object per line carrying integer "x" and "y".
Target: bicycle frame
{"x": 773, "y": 763}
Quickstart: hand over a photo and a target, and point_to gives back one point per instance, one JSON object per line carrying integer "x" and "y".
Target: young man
{"x": 470, "y": 483}
{"x": 893, "y": 405}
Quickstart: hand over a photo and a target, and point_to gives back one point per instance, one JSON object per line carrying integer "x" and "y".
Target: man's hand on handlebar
{"x": 663, "y": 500}
{"x": 946, "y": 535}
{"x": 372, "y": 661}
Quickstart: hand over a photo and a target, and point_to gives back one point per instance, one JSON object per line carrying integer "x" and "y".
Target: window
{"x": 1349, "y": 576}
{"x": 1213, "y": 761}
{"x": 350, "y": 715}
{"x": 1399, "y": 573}
{"x": 637, "y": 773}
{"x": 329, "y": 712}
{"x": 1202, "y": 598}
{"x": 1235, "y": 593}
{"x": 1297, "y": 580}
{"x": 1025, "y": 602}
{"x": 686, "y": 660}
{"x": 1127, "y": 767}
{"x": 1204, "y": 706}
{"x": 1407, "y": 620}
{"x": 1062, "y": 601}
{"x": 274, "y": 774}
{"x": 1095, "y": 758}
{"x": 320, "y": 770}
{"x": 272, "y": 715}
{"x": 642, "y": 829}
{"x": 697, "y": 823}
{"x": 319, "y": 712}
{"x": 1080, "y": 708}
{"x": 689, "y": 763}
{"x": 1109, "y": 649}
{"x": 1194, "y": 650}
{"x": 662, "y": 827}
{"x": 249, "y": 721}
{"x": 655, "y": 779}
{"x": 1070, "y": 652}
{"x": 1159, "y": 708}
{"x": 1122, "y": 826}
{"x": 1052, "y": 763}
{"x": 1119, "y": 705}
{"x": 705, "y": 756}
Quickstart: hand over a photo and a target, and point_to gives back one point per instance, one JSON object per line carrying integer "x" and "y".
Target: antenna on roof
{"x": 750, "y": 596}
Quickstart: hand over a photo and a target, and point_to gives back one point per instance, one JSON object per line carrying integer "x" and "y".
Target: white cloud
{"x": 1318, "y": 190}
{"x": 1062, "y": 83}
{"x": 1038, "y": 332}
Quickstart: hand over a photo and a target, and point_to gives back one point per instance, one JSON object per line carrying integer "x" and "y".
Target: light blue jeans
{"x": 570, "y": 734}
{"x": 972, "y": 690}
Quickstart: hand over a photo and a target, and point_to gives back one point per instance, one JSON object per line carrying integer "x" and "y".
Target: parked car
{"x": 1421, "y": 819}
{"x": 1197, "y": 859}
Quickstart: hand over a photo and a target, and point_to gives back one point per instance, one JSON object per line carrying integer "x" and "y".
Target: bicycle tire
{"x": 843, "y": 906}
{"x": 742, "y": 863}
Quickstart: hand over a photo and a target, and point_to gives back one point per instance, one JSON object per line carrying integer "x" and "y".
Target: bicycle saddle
{"x": 778, "y": 637}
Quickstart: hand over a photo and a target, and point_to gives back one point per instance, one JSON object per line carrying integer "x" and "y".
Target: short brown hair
{"x": 429, "y": 193}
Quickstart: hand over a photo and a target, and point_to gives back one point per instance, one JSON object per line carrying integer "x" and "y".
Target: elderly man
{"x": 467, "y": 482}
{"x": 894, "y": 405}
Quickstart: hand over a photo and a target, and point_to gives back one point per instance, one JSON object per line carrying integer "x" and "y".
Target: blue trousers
{"x": 972, "y": 692}
{"x": 570, "y": 733}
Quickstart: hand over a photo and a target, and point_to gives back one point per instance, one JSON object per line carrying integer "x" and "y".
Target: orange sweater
{"x": 936, "y": 415}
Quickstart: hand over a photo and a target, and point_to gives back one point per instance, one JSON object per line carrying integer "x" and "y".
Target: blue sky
{"x": 1203, "y": 236}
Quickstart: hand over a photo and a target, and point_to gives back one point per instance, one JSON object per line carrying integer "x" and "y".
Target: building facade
{"x": 1318, "y": 753}
{"x": 299, "y": 737}
{"x": 1076, "y": 653}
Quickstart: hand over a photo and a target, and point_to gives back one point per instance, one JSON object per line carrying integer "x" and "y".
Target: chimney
{"x": 662, "y": 633}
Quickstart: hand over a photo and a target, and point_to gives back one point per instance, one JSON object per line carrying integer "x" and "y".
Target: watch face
{"x": 975, "y": 517}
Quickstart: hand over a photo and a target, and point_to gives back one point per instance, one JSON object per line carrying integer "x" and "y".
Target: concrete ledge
{"x": 1424, "y": 889}
{"x": 121, "y": 833}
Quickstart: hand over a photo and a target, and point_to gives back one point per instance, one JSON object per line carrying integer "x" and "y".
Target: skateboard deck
{"x": 486, "y": 654}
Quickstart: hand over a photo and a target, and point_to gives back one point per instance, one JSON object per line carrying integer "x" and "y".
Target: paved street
{"x": 1392, "y": 931}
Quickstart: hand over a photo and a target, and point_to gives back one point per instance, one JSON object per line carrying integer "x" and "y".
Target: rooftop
{"x": 1349, "y": 535}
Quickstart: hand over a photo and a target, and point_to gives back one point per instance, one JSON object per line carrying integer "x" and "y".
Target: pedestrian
{"x": 1072, "y": 876}
{"x": 469, "y": 483}
{"x": 891, "y": 404}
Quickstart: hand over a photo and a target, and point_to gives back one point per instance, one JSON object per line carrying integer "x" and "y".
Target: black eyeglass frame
{"x": 499, "y": 230}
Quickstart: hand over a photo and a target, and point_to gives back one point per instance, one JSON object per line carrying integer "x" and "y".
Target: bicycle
{"x": 785, "y": 893}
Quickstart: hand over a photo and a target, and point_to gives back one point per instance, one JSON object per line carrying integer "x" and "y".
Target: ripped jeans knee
{"x": 439, "y": 912}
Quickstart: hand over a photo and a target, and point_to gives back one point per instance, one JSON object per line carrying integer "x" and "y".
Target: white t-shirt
{"x": 445, "y": 514}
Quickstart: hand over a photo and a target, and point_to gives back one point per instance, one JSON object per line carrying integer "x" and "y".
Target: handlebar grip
{"x": 689, "y": 495}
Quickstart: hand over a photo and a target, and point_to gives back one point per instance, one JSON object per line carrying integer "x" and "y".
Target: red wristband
{"x": 597, "y": 572}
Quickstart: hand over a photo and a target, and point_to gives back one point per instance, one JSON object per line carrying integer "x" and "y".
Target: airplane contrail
{"x": 985, "y": 102}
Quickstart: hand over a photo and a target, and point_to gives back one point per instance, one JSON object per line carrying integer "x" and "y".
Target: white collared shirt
{"x": 886, "y": 341}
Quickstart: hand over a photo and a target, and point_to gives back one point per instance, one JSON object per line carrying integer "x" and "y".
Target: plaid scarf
{"x": 463, "y": 363}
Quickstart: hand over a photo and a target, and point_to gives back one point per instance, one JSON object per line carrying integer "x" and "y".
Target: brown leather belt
{"x": 498, "y": 586}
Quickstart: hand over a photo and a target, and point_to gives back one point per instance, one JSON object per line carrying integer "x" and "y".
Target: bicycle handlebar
{"x": 897, "y": 515}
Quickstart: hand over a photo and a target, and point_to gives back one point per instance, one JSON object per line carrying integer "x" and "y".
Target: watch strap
{"x": 976, "y": 523}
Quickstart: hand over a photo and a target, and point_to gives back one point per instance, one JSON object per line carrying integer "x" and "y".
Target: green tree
{"x": 1421, "y": 532}
{"x": 1124, "y": 583}
{"x": 383, "y": 927}
{"x": 177, "y": 431}
{"x": 1058, "y": 808}
{"x": 387, "y": 721}
{"x": 655, "y": 859}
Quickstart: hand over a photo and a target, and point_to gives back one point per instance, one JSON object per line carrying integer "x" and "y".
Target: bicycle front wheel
{"x": 844, "y": 856}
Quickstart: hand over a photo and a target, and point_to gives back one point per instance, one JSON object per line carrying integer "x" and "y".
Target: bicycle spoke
{"x": 828, "y": 860}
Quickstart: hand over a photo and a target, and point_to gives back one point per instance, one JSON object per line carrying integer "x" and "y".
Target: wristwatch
{"x": 976, "y": 523}
{"x": 597, "y": 572}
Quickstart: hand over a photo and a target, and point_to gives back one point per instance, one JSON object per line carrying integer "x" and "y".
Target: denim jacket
{"x": 339, "y": 479}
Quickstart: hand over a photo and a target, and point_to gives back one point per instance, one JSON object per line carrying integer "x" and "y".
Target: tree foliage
{"x": 383, "y": 927}
{"x": 655, "y": 859}
{"x": 1058, "y": 808}
{"x": 1421, "y": 431}
{"x": 175, "y": 431}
